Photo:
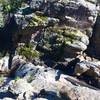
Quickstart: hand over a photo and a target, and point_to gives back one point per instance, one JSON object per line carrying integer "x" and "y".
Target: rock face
{"x": 60, "y": 31}
{"x": 81, "y": 14}
{"x": 89, "y": 69}
{"x": 94, "y": 48}
{"x": 1, "y": 19}
{"x": 74, "y": 20}
{"x": 79, "y": 93}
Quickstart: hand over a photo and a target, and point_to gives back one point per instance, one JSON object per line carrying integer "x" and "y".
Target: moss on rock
{"x": 28, "y": 52}
{"x": 38, "y": 21}
{"x": 55, "y": 36}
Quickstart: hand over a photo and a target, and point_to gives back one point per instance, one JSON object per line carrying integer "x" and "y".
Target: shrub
{"x": 28, "y": 52}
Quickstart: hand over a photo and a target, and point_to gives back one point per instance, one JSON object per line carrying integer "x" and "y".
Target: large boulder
{"x": 81, "y": 15}
{"x": 21, "y": 88}
{"x": 79, "y": 93}
{"x": 89, "y": 68}
{"x": 90, "y": 71}
{"x": 69, "y": 40}
{"x": 4, "y": 64}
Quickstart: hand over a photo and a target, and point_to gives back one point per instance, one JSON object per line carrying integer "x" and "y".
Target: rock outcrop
{"x": 38, "y": 82}
{"x": 50, "y": 40}
{"x": 74, "y": 20}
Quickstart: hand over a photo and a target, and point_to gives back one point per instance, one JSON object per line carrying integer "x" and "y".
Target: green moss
{"x": 67, "y": 31}
{"x": 66, "y": 34}
{"x": 39, "y": 21}
{"x": 28, "y": 52}
{"x": 17, "y": 78}
{"x": 31, "y": 78}
{"x": 63, "y": 34}
{"x": 1, "y": 20}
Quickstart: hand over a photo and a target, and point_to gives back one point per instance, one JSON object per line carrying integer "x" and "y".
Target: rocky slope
{"x": 52, "y": 50}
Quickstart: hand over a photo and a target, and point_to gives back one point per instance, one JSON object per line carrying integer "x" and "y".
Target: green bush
{"x": 28, "y": 52}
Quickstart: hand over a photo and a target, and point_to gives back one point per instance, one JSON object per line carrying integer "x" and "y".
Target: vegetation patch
{"x": 28, "y": 52}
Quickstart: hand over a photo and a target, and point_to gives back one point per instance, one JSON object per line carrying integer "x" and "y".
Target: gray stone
{"x": 21, "y": 89}
{"x": 7, "y": 99}
{"x": 40, "y": 99}
{"x": 35, "y": 4}
{"x": 4, "y": 64}
{"x": 84, "y": 14}
{"x": 89, "y": 68}
{"x": 78, "y": 92}
{"x": 20, "y": 86}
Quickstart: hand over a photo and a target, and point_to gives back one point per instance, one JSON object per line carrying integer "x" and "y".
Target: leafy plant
{"x": 28, "y": 52}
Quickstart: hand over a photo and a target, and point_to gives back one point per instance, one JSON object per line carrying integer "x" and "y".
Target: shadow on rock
{"x": 7, "y": 44}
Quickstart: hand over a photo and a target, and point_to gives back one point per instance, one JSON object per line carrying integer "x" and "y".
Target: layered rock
{"x": 79, "y": 15}
{"x": 37, "y": 82}
{"x": 89, "y": 71}
{"x": 89, "y": 68}
{"x": 78, "y": 93}
{"x": 71, "y": 41}
{"x": 37, "y": 16}
{"x": 60, "y": 29}
{"x": 82, "y": 15}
